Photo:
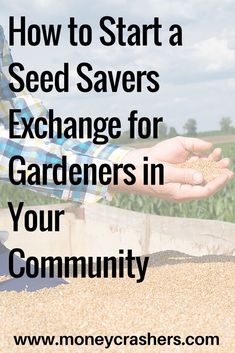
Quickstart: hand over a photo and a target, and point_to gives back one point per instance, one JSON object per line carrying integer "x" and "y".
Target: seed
{"x": 4, "y": 278}
{"x": 209, "y": 169}
{"x": 181, "y": 298}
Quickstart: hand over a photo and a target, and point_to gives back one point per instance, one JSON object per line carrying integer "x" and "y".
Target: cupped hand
{"x": 181, "y": 184}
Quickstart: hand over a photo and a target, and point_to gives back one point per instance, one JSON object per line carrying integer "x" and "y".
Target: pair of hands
{"x": 180, "y": 184}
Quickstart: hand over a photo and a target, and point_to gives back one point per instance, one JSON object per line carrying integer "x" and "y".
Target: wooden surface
{"x": 99, "y": 230}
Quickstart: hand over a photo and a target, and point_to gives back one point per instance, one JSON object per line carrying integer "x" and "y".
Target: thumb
{"x": 193, "y": 144}
{"x": 183, "y": 176}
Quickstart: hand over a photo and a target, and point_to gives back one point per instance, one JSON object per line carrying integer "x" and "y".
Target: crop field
{"x": 219, "y": 207}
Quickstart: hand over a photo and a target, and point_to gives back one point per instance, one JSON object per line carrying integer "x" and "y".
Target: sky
{"x": 197, "y": 80}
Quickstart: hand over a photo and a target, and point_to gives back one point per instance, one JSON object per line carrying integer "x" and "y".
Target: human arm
{"x": 179, "y": 184}
{"x": 48, "y": 150}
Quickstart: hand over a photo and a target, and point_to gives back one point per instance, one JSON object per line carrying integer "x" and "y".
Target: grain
{"x": 208, "y": 168}
{"x": 4, "y": 278}
{"x": 182, "y": 299}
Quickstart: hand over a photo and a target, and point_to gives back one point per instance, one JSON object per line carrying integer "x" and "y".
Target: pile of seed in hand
{"x": 208, "y": 168}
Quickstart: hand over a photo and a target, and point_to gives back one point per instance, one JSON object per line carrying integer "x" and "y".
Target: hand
{"x": 180, "y": 184}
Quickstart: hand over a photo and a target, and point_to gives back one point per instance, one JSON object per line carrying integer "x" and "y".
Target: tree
{"x": 162, "y": 130}
{"x": 226, "y": 124}
{"x": 191, "y": 127}
{"x": 172, "y": 132}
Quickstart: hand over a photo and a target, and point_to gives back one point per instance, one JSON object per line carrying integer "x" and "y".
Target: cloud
{"x": 215, "y": 54}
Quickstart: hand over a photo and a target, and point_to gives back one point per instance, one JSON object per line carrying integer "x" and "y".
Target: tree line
{"x": 191, "y": 129}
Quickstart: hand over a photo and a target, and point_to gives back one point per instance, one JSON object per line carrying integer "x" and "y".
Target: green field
{"x": 220, "y": 207}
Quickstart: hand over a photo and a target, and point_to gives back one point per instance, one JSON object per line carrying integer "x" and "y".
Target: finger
{"x": 215, "y": 185}
{"x": 223, "y": 163}
{"x": 189, "y": 192}
{"x": 182, "y": 176}
{"x": 193, "y": 158}
{"x": 195, "y": 145}
{"x": 215, "y": 155}
{"x": 228, "y": 172}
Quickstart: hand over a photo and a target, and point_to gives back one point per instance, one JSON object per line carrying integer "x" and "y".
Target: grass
{"x": 220, "y": 207}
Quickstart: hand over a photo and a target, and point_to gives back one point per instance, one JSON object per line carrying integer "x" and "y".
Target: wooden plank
{"x": 99, "y": 230}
